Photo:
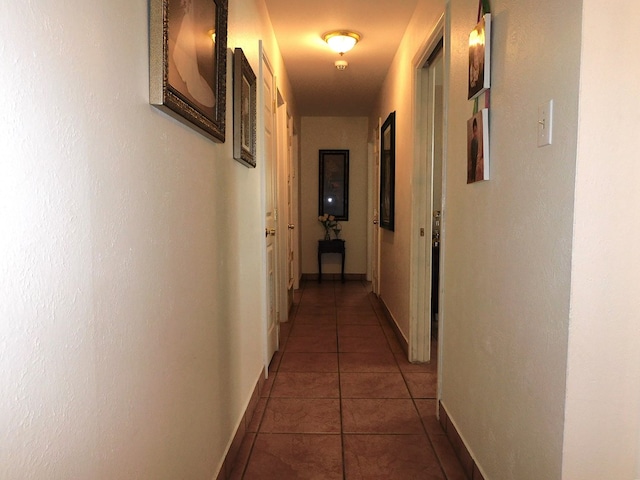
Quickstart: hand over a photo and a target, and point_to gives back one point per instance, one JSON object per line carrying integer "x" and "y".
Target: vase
{"x": 327, "y": 236}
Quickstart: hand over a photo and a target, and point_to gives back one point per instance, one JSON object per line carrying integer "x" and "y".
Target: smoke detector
{"x": 341, "y": 64}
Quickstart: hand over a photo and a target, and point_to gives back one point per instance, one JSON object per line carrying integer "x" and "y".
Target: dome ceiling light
{"x": 341, "y": 41}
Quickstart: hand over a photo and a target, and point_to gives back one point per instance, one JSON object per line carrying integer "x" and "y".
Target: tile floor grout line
{"x": 342, "y": 443}
{"x": 334, "y": 288}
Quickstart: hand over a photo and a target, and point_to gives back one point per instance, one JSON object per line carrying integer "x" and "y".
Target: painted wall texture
{"x": 529, "y": 359}
{"x": 508, "y": 241}
{"x": 129, "y": 346}
{"x": 540, "y": 343}
{"x": 329, "y": 133}
{"x": 603, "y": 368}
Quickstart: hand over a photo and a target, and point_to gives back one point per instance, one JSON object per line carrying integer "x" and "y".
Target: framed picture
{"x": 478, "y": 147}
{"x": 188, "y": 62}
{"x": 244, "y": 110}
{"x": 333, "y": 198}
{"x": 480, "y": 57}
{"x": 388, "y": 172}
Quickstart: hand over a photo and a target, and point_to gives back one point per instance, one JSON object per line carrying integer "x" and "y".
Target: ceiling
{"x": 318, "y": 87}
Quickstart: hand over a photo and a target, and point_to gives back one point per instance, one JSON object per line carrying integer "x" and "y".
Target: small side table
{"x": 330, "y": 246}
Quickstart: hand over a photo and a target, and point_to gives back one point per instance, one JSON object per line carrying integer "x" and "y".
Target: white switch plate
{"x": 545, "y": 123}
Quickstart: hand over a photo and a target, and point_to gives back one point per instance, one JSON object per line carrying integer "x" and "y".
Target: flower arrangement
{"x": 329, "y": 223}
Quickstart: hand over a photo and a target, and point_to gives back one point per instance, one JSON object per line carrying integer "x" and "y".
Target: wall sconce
{"x": 341, "y": 41}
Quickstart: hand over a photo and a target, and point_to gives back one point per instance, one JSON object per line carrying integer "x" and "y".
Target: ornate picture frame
{"x": 244, "y": 110}
{"x": 388, "y": 172}
{"x": 188, "y": 62}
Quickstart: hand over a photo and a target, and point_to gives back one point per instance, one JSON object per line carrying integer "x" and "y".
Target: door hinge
{"x": 422, "y": 232}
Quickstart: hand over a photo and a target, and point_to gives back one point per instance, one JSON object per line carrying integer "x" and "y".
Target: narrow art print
{"x": 480, "y": 57}
{"x": 478, "y": 147}
{"x": 244, "y": 110}
{"x": 388, "y": 172}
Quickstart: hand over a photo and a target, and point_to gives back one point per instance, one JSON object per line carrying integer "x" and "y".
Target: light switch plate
{"x": 545, "y": 123}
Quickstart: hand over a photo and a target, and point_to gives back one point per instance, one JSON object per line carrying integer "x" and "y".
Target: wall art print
{"x": 478, "y": 147}
{"x": 388, "y": 172}
{"x": 480, "y": 57}
{"x": 188, "y": 62}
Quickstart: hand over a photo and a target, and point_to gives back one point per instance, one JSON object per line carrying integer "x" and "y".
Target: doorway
{"x": 427, "y": 197}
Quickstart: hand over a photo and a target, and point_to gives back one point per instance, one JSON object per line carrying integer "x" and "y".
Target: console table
{"x": 330, "y": 246}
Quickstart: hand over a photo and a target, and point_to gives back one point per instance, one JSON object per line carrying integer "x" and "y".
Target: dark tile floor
{"x": 342, "y": 401}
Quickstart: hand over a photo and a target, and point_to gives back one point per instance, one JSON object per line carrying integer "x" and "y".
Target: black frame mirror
{"x": 388, "y": 172}
{"x": 333, "y": 197}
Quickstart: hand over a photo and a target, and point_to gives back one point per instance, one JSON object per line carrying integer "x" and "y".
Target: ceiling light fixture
{"x": 341, "y": 41}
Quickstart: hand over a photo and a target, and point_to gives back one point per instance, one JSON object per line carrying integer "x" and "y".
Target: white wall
{"x": 602, "y": 420}
{"x": 130, "y": 342}
{"x": 328, "y": 133}
{"x": 508, "y": 241}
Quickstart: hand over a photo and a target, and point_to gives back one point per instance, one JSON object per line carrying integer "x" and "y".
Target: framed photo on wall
{"x": 333, "y": 198}
{"x": 188, "y": 62}
{"x": 478, "y": 147}
{"x": 480, "y": 57}
{"x": 388, "y": 172}
{"x": 244, "y": 110}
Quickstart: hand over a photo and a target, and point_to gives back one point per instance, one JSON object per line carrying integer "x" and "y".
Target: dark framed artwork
{"x": 333, "y": 198}
{"x": 388, "y": 172}
{"x": 480, "y": 57}
{"x": 188, "y": 62}
{"x": 244, "y": 110}
{"x": 478, "y": 147}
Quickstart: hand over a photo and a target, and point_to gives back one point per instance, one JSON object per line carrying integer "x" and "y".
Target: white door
{"x": 267, "y": 82}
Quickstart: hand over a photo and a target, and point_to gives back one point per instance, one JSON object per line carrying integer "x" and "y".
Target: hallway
{"x": 342, "y": 401}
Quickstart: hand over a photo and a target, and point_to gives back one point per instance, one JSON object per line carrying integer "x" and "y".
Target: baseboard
{"x": 469, "y": 465}
{"x": 394, "y": 325}
{"x": 350, "y": 277}
{"x": 232, "y": 453}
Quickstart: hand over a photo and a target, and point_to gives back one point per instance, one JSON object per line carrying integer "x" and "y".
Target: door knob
{"x": 375, "y": 222}
{"x": 269, "y": 231}
{"x": 291, "y": 226}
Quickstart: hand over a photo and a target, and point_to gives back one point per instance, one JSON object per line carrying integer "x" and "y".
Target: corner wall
{"x": 130, "y": 346}
{"x": 602, "y": 419}
{"x": 508, "y": 241}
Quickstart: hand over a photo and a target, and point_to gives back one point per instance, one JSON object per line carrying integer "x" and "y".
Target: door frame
{"x": 373, "y": 273}
{"x": 422, "y": 201}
